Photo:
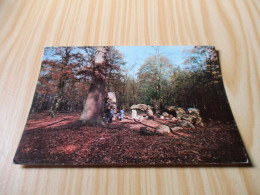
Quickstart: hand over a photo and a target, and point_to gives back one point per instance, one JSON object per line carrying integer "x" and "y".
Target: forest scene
{"x": 130, "y": 106}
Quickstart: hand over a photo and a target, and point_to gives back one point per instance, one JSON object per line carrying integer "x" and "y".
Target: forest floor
{"x": 58, "y": 141}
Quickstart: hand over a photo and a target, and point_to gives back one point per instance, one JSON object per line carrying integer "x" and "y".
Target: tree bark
{"x": 92, "y": 113}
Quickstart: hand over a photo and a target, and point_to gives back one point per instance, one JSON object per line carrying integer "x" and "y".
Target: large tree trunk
{"x": 92, "y": 113}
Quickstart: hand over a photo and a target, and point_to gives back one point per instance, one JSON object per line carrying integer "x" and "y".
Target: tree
{"x": 129, "y": 93}
{"x": 61, "y": 86}
{"x": 58, "y": 69}
{"x": 204, "y": 83}
{"x": 92, "y": 113}
{"x": 115, "y": 77}
{"x": 153, "y": 78}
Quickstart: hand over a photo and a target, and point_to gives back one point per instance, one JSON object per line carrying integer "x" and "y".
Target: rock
{"x": 185, "y": 124}
{"x": 196, "y": 118}
{"x": 170, "y": 108}
{"x": 165, "y": 114}
{"x": 192, "y": 116}
{"x": 180, "y": 111}
{"x": 176, "y": 128}
{"x": 134, "y": 114}
{"x": 199, "y": 122}
{"x": 162, "y": 130}
{"x": 186, "y": 117}
{"x": 146, "y": 131}
{"x": 177, "y": 110}
{"x": 150, "y": 114}
{"x": 140, "y": 118}
{"x": 157, "y": 111}
{"x": 149, "y": 107}
{"x": 174, "y": 119}
{"x": 142, "y": 107}
{"x": 196, "y": 110}
{"x": 111, "y": 100}
{"x": 111, "y": 96}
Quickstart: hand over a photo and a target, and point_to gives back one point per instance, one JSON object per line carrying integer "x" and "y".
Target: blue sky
{"x": 135, "y": 56}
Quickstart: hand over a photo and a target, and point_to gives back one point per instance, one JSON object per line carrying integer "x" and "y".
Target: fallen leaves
{"x": 121, "y": 144}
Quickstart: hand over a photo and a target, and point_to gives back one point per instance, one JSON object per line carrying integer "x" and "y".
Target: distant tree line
{"x": 197, "y": 84}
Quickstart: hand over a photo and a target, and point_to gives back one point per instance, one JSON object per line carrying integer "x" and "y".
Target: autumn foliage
{"x": 67, "y": 73}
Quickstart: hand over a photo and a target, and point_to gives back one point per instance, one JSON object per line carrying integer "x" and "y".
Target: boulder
{"x": 111, "y": 96}
{"x": 149, "y": 107}
{"x": 177, "y": 110}
{"x": 176, "y": 128}
{"x": 174, "y": 119}
{"x": 150, "y": 114}
{"x": 170, "y": 108}
{"x": 180, "y": 111}
{"x": 140, "y": 118}
{"x": 134, "y": 114}
{"x": 192, "y": 115}
{"x": 162, "y": 130}
{"x": 185, "y": 124}
{"x": 199, "y": 122}
{"x": 196, "y": 110}
{"x": 165, "y": 114}
{"x": 186, "y": 117}
{"x": 142, "y": 107}
{"x": 196, "y": 118}
{"x": 146, "y": 131}
{"x": 111, "y": 100}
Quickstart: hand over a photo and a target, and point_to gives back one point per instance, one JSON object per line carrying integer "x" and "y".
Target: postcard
{"x": 131, "y": 106}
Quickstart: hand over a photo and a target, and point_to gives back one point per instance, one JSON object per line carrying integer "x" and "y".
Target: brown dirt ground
{"x": 58, "y": 141}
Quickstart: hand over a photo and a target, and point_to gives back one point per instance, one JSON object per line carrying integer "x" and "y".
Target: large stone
{"x": 170, "y": 108}
{"x": 196, "y": 118}
{"x": 176, "y": 128}
{"x": 140, "y": 118}
{"x": 199, "y": 122}
{"x": 142, "y": 107}
{"x": 185, "y": 124}
{"x": 134, "y": 114}
{"x": 111, "y": 96}
{"x": 162, "y": 130}
{"x": 146, "y": 131}
{"x": 186, "y": 117}
{"x": 165, "y": 114}
{"x": 149, "y": 113}
{"x": 174, "y": 119}
{"x": 180, "y": 111}
{"x": 177, "y": 110}
{"x": 194, "y": 110}
{"x": 149, "y": 107}
{"x": 192, "y": 116}
{"x": 111, "y": 100}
